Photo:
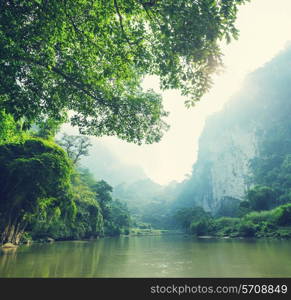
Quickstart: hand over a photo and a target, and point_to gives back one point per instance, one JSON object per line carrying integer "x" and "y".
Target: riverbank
{"x": 279, "y": 233}
{"x": 227, "y": 232}
{"x": 133, "y": 232}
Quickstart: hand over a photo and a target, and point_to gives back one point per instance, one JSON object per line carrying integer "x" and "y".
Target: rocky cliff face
{"x": 232, "y": 138}
{"x": 224, "y": 161}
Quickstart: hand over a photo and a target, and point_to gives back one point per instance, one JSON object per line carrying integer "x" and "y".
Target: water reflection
{"x": 150, "y": 256}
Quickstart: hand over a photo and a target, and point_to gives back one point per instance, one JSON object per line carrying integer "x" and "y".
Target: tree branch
{"x": 146, "y": 6}
{"x": 71, "y": 81}
{"x": 121, "y": 22}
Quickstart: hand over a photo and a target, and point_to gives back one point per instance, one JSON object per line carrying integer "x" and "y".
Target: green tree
{"x": 120, "y": 214}
{"x": 261, "y": 197}
{"x": 90, "y": 57}
{"x": 115, "y": 213}
{"x": 103, "y": 194}
{"x": 34, "y": 175}
{"x": 185, "y": 216}
{"x": 89, "y": 219}
{"x": 201, "y": 227}
{"x": 86, "y": 176}
{"x": 244, "y": 208}
{"x": 48, "y": 128}
{"x": 10, "y": 131}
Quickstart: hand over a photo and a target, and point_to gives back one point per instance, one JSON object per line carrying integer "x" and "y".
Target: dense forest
{"x": 45, "y": 195}
{"x": 83, "y": 63}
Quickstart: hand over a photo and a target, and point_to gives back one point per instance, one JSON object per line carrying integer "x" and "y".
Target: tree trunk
{"x": 12, "y": 233}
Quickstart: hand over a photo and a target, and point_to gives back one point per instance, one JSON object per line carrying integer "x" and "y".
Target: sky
{"x": 265, "y": 29}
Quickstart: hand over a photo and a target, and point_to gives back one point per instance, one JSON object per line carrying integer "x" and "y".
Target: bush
{"x": 265, "y": 227}
{"x": 112, "y": 230}
{"x": 225, "y": 226}
{"x": 204, "y": 226}
{"x": 283, "y": 215}
{"x": 262, "y": 216}
{"x": 225, "y": 222}
{"x": 246, "y": 229}
{"x": 25, "y": 238}
{"x": 284, "y": 233}
{"x": 261, "y": 197}
{"x": 126, "y": 231}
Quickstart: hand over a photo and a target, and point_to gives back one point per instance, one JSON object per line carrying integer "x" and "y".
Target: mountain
{"x": 145, "y": 192}
{"x": 103, "y": 164}
{"x": 246, "y": 143}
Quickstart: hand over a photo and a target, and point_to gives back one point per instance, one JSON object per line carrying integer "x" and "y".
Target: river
{"x": 150, "y": 256}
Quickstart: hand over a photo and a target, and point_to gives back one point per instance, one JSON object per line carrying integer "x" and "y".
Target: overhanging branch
{"x": 121, "y": 22}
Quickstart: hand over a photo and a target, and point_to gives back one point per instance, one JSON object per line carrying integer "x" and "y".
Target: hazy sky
{"x": 265, "y": 28}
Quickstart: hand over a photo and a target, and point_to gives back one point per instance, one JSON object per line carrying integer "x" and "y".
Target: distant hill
{"x": 103, "y": 164}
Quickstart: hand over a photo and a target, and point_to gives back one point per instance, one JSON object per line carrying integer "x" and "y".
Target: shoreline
{"x": 11, "y": 246}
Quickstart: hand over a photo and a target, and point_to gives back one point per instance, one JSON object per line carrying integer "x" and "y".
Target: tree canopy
{"x": 90, "y": 57}
{"x": 34, "y": 175}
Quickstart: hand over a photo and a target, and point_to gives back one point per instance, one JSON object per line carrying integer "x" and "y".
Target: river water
{"x": 150, "y": 256}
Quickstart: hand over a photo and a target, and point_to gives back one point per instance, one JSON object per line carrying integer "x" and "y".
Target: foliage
{"x": 271, "y": 223}
{"x": 115, "y": 213}
{"x": 246, "y": 229}
{"x": 97, "y": 214}
{"x": 120, "y": 215}
{"x": 283, "y": 215}
{"x": 225, "y": 226}
{"x": 257, "y": 217}
{"x": 201, "y": 227}
{"x": 229, "y": 207}
{"x": 34, "y": 175}
{"x": 89, "y": 219}
{"x": 87, "y": 176}
{"x": 103, "y": 192}
{"x": 90, "y": 57}
{"x": 185, "y": 216}
{"x": 261, "y": 197}
{"x": 272, "y": 168}
{"x": 244, "y": 208}
{"x": 9, "y": 129}
{"x": 48, "y": 128}
{"x": 224, "y": 222}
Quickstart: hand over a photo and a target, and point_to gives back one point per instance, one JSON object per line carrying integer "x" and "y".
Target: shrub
{"x": 261, "y": 197}
{"x": 247, "y": 229}
{"x": 225, "y": 226}
{"x": 283, "y": 215}
{"x": 224, "y": 222}
{"x": 257, "y": 217}
{"x": 126, "y": 231}
{"x": 284, "y": 232}
{"x": 201, "y": 227}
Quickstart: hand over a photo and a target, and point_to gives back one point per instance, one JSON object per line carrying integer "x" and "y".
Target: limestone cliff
{"x": 233, "y": 137}
{"x": 223, "y": 162}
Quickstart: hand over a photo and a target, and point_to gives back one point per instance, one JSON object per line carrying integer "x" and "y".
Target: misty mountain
{"x": 103, "y": 164}
{"x": 246, "y": 144}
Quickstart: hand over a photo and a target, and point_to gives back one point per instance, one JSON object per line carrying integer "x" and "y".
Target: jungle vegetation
{"x": 83, "y": 62}
{"x": 44, "y": 194}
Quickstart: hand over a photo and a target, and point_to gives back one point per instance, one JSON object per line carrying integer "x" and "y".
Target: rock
{"x": 8, "y": 245}
{"x": 49, "y": 240}
{"x": 222, "y": 171}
